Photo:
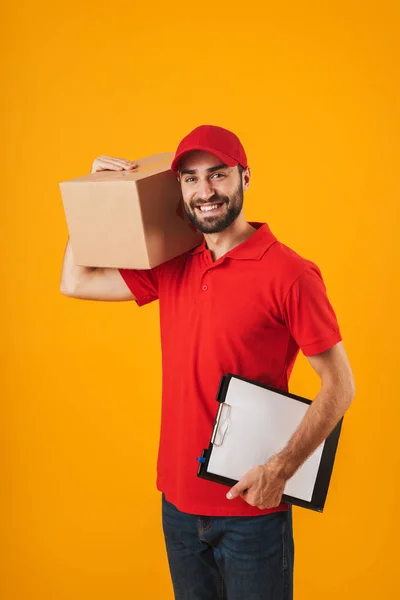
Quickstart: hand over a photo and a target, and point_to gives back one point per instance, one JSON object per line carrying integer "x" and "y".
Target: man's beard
{"x": 217, "y": 223}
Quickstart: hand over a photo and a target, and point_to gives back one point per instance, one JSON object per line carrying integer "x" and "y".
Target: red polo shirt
{"x": 247, "y": 313}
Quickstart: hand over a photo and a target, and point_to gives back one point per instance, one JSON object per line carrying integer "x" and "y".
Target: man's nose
{"x": 205, "y": 189}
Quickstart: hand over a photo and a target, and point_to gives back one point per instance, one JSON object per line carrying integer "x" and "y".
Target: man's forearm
{"x": 323, "y": 414}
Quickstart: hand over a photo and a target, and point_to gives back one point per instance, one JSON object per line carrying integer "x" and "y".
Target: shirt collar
{"x": 253, "y": 248}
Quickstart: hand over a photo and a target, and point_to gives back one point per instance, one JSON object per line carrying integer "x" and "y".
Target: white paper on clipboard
{"x": 259, "y": 425}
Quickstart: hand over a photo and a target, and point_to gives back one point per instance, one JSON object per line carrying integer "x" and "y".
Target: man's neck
{"x": 224, "y": 241}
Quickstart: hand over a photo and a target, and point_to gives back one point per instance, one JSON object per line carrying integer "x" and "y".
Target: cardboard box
{"x": 128, "y": 219}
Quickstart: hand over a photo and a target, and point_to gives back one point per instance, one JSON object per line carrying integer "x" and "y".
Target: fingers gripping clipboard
{"x": 253, "y": 423}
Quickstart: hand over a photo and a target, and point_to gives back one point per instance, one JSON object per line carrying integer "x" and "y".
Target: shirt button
{"x": 205, "y": 288}
{"x": 209, "y": 271}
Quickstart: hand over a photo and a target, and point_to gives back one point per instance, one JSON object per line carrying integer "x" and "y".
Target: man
{"x": 241, "y": 302}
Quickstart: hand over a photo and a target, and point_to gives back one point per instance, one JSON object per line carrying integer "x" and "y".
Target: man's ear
{"x": 246, "y": 178}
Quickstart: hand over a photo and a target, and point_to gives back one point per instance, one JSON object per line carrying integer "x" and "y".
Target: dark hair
{"x": 241, "y": 169}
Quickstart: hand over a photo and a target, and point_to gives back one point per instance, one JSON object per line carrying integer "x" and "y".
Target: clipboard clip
{"x": 221, "y": 424}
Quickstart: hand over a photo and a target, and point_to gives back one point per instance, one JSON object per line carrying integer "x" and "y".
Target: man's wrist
{"x": 282, "y": 465}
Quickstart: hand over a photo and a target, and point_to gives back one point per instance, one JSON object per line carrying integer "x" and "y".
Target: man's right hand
{"x": 108, "y": 163}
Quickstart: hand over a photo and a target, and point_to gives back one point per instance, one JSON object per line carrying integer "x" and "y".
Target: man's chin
{"x": 212, "y": 227}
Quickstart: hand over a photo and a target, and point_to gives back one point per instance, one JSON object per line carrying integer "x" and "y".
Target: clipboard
{"x": 253, "y": 423}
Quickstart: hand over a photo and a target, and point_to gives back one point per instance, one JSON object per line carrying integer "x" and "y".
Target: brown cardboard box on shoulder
{"x": 128, "y": 219}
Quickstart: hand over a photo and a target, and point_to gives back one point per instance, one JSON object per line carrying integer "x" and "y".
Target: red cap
{"x": 215, "y": 140}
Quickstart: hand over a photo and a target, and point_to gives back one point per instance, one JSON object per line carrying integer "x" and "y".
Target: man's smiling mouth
{"x": 209, "y": 207}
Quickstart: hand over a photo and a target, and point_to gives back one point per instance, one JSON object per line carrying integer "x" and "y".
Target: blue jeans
{"x": 229, "y": 558}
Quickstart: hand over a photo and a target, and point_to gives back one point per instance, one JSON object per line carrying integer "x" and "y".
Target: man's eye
{"x": 189, "y": 179}
{"x": 218, "y": 175}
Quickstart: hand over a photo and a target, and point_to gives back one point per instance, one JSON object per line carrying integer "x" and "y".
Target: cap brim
{"x": 226, "y": 159}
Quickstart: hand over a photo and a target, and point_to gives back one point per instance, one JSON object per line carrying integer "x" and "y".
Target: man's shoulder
{"x": 175, "y": 263}
{"x": 284, "y": 255}
{"x": 286, "y": 264}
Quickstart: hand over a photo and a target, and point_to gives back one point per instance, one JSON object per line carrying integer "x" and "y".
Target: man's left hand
{"x": 262, "y": 486}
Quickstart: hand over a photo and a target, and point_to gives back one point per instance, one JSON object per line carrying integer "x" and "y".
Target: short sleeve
{"x": 143, "y": 283}
{"x": 309, "y": 315}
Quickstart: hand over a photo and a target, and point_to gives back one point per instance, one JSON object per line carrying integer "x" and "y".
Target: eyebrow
{"x": 210, "y": 170}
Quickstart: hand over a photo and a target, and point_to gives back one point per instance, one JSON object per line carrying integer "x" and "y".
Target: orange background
{"x": 313, "y": 92}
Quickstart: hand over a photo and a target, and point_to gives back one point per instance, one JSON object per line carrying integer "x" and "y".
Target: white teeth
{"x": 207, "y": 208}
